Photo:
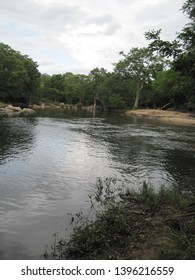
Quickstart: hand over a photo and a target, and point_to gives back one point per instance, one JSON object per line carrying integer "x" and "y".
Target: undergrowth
{"x": 121, "y": 223}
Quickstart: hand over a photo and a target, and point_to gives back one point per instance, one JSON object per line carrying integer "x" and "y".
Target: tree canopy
{"x": 19, "y": 77}
{"x": 141, "y": 66}
{"x": 162, "y": 72}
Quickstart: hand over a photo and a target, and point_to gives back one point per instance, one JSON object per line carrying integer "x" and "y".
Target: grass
{"x": 132, "y": 225}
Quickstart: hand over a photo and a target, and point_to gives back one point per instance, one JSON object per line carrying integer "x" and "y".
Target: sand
{"x": 173, "y": 117}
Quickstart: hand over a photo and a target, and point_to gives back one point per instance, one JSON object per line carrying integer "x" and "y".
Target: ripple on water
{"x": 49, "y": 165}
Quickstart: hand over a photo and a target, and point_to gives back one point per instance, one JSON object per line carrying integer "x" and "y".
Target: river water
{"x": 50, "y": 162}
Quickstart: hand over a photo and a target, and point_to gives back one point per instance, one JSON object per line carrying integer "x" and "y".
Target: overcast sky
{"x": 79, "y": 35}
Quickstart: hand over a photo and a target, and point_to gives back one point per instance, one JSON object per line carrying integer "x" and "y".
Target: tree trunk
{"x": 136, "y": 100}
{"x": 102, "y": 103}
{"x": 167, "y": 106}
{"x": 95, "y": 103}
{"x": 139, "y": 88}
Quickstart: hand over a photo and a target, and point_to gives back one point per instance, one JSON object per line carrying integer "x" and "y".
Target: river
{"x": 50, "y": 162}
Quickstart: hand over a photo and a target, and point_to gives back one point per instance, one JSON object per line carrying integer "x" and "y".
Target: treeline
{"x": 159, "y": 75}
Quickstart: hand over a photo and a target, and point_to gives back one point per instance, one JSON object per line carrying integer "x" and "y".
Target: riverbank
{"x": 173, "y": 117}
{"x": 143, "y": 225}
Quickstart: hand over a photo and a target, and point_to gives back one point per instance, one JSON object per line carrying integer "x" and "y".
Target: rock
{"x": 27, "y": 111}
{"x": 90, "y": 108}
{"x": 14, "y": 109}
{"x": 9, "y": 112}
{"x": 35, "y": 106}
{"x": 42, "y": 105}
{"x": 62, "y": 105}
{"x": 79, "y": 106}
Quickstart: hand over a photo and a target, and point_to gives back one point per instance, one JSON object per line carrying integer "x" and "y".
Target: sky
{"x": 79, "y": 35}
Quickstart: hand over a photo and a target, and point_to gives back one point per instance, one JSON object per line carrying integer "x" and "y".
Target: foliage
{"x": 181, "y": 245}
{"x": 120, "y": 222}
{"x": 19, "y": 77}
{"x": 189, "y": 8}
{"x": 166, "y": 48}
{"x": 182, "y": 52}
{"x": 171, "y": 87}
{"x": 140, "y": 65}
{"x": 162, "y": 72}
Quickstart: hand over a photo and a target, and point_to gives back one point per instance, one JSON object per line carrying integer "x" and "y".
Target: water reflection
{"x": 16, "y": 137}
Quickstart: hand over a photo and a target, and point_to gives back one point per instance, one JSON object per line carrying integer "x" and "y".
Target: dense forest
{"x": 161, "y": 74}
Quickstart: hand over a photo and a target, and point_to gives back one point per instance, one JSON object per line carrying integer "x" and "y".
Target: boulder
{"x": 14, "y": 109}
{"x": 27, "y": 111}
{"x": 42, "y": 105}
{"x": 62, "y": 105}
{"x": 35, "y": 106}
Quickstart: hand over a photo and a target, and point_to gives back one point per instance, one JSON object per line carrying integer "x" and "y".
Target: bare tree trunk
{"x": 138, "y": 95}
{"x": 95, "y": 103}
{"x": 167, "y": 106}
{"x": 136, "y": 100}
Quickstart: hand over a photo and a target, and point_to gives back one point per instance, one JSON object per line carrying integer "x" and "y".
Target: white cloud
{"x": 80, "y": 35}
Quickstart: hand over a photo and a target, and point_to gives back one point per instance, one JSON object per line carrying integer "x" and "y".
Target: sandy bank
{"x": 172, "y": 117}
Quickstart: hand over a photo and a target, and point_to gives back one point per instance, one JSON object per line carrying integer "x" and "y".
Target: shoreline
{"x": 173, "y": 117}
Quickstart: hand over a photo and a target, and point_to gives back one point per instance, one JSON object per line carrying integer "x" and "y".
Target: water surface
{"x": 49, "y": 163}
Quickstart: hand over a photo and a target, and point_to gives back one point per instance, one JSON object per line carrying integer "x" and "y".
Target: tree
{"x": 33, "y": 80}
{"x": 182, "y": 49}
{"x": 169, "y": 88}
{"x": 182, "y": 52}
{"x": 141, "y": 66}
{"x": 185, "y": 63}
{"x": 19, "y": 77}
{"x": 161, "y": 47}
{"x": 98, "y": 77}
{"x": 55, "y": 88}
{"x": 75, "y": 87}
{"x": 44, "y": 85}
{"x": 189, "y": 8}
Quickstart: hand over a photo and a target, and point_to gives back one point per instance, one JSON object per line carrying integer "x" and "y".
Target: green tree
{"x": 44, "y": 86}
{"x": 19, "y": 77}
{"x": 55, "y": 91}
{"x": 169, "y": 88}
{"x": 97, "y": 84}
{"x": 82, "y": 82}
{"x": 75, "y": 88}
{"x": 33, "y": 80}
{"x": 182, "y": 52}
{"x": 140, "y": 66}
{"x": 162, "y": 47}
{"x": 185, "y": 63}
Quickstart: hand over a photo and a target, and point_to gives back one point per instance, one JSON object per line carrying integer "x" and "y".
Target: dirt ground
{"x": 167, "y": 116}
